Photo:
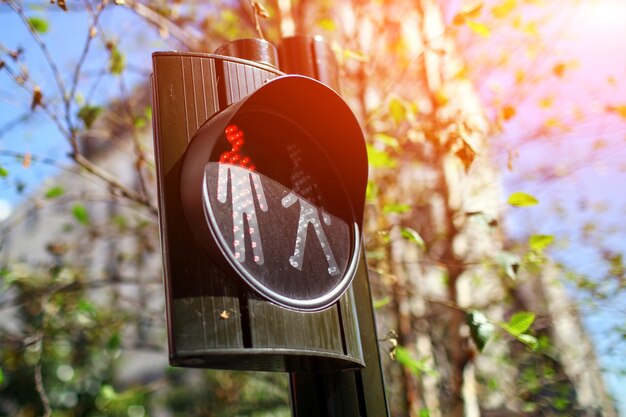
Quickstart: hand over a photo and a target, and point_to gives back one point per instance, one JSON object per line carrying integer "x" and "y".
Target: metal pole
{"x": 358, "y": 393}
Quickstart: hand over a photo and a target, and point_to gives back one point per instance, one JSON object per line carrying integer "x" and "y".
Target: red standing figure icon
{"x": 234, "y": 135}
{"x": 245, "y": 187}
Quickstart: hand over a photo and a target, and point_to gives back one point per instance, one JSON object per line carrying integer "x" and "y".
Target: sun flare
{"x": 602, "y": 16}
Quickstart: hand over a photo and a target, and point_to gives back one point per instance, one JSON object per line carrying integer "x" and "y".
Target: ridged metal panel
{"x": 200, "y": 92}
{"x": 170, "y": 116}
{"x": 210, "y": 100}
{"x": 241, "y": 80}
{"x": 186, "y": 96}
{"x": 189, "y": 96}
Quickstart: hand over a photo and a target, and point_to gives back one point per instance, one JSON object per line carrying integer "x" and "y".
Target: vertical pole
{"x": 358, "y": 393}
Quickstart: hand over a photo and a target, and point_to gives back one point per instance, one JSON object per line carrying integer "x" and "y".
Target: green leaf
{"x": 328, "y": 25}
{"x": 355, "y": 55}
{"x": 397, "y": 208}
{"x": 415, "y": 366}
{"x": 3, "y": 172}
{"x": 81, "y": 214}
{"x": 39, "y": 24}
{"x": 382, "y": 302}
{"x": 479, "y": 28}
{"x": 561, "y": 403}
{"x": 108, "y": 392}
{"x": 412, "y": 236}
{"x": 397, "y": 110}
{"x": 85, "y": 306}
{"x": 384, "y": 237}
{"x": 54, "y": 192}
{"x": 371, "y": 191}
{"x": 120, "y": 221}
{"x": 379, "y": 159}
{"x": 518, "y": 326}
{"x": 117, "y": 61}
{"x": 139, "y": 122}
{"x": 375, "y": 255}
{"x": 387, "y": 140}
{"x": 520, "y": 199}
{"x": 519, "y": 323}
{"x": 1, "y": 376}
{"x": 528, "y": 340}
{"x": 114, "y": 342}
{"x": 88, "y": 114}
{"x": 403, "y": 356}
{"x": 481, "y": 328}
{"x": 504, "y": 8}
{"x": 540, "y": 242}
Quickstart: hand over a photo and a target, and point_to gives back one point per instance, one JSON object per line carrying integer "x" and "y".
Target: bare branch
{"x": 77, "y": 71}
{"x": 160, "y": 22}
{"x": 140, "y": 156}
{"x": 44, "y": 49}
{"x": 30, "y": 87}
{"x": 258, "y": 11}
{"x": 41, "y": 390}
{"x": 110, "y": 179}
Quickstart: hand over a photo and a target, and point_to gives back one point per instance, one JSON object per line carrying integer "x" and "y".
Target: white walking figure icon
{"x": 241, "y": 181}
{"x": 309, "y": 214}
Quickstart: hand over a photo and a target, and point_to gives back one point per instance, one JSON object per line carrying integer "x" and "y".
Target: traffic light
{"x": 274, "y": 187}
{"x": 261, "y": 179}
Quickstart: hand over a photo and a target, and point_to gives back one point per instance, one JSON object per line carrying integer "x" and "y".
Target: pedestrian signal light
{"x": 265, "y": 187}
{"x": 261, "y": 187}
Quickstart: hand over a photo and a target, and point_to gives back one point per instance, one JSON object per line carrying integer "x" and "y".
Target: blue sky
{"x": 65, "y": 38}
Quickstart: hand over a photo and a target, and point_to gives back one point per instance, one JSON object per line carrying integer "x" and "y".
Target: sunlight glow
{"x": 604, "y": 16}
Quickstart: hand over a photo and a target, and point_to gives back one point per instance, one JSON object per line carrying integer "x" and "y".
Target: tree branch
{"x": 77, "y": 71}
{"x": 44, "y": 49}
{"x": 21, "y": 81}
{"x": 110, "y": 179}
{"x": 161, "y": 22}
{"x": 41, "y": 390}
